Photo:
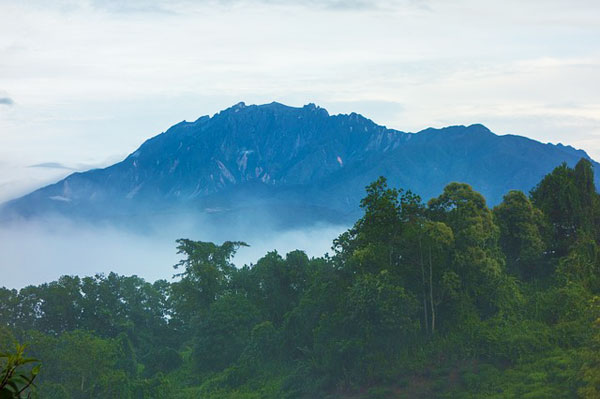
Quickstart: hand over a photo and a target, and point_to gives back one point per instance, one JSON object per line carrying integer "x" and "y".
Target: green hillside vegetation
{"x": 448, "y": 299}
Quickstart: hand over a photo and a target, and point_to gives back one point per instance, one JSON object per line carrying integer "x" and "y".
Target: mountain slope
{"x": 300, "y": 164}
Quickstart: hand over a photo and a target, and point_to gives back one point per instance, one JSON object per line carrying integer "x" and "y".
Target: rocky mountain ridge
{"x": 300, "y": 163}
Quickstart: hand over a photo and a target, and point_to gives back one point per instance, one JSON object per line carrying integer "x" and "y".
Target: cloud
{"x": 185, "y": 6}
{"x": 51, "y": 165}
{"x": 338, "y": 4}
{"x": 6, "y": 101}
{"x": 38, "y": 251}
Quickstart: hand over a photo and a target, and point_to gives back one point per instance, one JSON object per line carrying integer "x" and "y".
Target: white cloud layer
{"x": 42, "y": 251}
{"x": 88, "y": 81}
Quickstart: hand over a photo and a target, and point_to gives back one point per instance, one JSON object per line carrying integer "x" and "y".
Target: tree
{"x": 588, "y": 197}
{"x": 438, "y": 239}
{"x": 60, "y": 304}
{"x": 372, "y": 242}
{"x": 568, "y": 198}
{"x": 162, "y": 359}
{"x": 476, "y": 260}
{"x": 8, "y": 307}
{"x": 79, "y": 360}
{"x": 582, "y": 264}
{"x": 224, "y": 332}
{"x": 277, "y": 283}
{"x": 522, "y": 230}
{"x": 14, "y": 381}
{"x": 373, "y": 323}
{"x": 590, "y": 370}
{"x": 207, "y": 270}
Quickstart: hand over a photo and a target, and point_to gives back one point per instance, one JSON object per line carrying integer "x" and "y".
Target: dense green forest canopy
{"x": 447, "y": 299}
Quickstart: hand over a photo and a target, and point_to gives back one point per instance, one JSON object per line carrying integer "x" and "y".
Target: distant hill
{"x": 298, "y": 165}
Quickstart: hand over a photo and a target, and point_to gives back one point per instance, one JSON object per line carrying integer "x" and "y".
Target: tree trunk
{"x": 431, "y": 292}
{"x": 426, "y": 316}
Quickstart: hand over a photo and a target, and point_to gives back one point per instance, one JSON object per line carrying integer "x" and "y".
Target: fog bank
{"x": 34, "y": 252}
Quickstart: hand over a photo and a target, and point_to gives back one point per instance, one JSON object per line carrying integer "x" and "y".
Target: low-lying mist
{"x": 34, "y": 252}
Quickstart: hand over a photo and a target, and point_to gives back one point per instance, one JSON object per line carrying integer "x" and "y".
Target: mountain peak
{"x": 234, "y": 108}
{"x": 475, "y": 128}
{"x": 479, "y": 128}
{"x": 300, "y": 160}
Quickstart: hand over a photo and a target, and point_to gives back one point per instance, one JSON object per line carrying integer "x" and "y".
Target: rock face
{"x": 300, "y": 165}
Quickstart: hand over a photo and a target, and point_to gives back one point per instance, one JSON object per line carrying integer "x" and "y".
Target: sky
{"x": 84, "y": 83}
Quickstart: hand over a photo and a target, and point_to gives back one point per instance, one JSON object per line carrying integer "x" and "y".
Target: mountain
{"x": 298, "y": 165}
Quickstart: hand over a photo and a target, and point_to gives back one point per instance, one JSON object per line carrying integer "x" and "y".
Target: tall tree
{"x": 522, "y": 228}
{"x": 207, "y": 270}
{"x": 442, "y": 282}
{"x": 377, "y": 233}
{"x": 568, "y": 198}
{"x": 224, "y": 332}
{"x": 476, "y": 259}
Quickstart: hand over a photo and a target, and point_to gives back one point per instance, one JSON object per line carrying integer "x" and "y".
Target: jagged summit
{"x": 300, "y": 162}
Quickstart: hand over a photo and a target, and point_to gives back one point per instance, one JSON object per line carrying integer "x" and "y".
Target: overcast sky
{"x": 83, "y": 83}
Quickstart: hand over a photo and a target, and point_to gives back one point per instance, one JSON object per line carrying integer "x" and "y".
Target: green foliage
{"x": 476, "y": 260}
{"x": 224, "y": 333}
{"x": 80, "y": 361}
{"x": 368, "y": 331}
{"x": 263, "y": 345}
{"x": 276, "y": 284}
{"x": 163, "y": 359}
{"x": 7, "y": 339}
{"x": 547, "y": 375}
{"x": 582, "y": 264}
{"x": 568, "y": 199}
{"x": 207, "y": 270}
{"x": 522, "y": 228}
{"x": 590, "y": 369}
{"x": 15, "y": 382}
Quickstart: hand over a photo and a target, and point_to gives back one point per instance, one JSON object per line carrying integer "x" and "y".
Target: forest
{"x": 444, "y": 299}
